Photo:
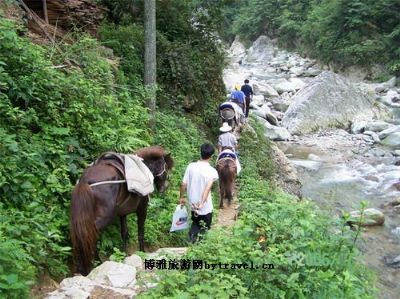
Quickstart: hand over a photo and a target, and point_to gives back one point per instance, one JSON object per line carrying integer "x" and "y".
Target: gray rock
{"x": 388, "y": 131}
{"x": 276, "y": 133}
{"x": 307, "y": 164}
{"x": 279, "y": 115}
{"x": 286, "y": 176}
{"x": 237, "y": 50}
{"x": 134, "y": 261}
{"x": 312, "y": 72}
{"x": 376, "y": 126}
{"x": 380, "y": 88}
{"x": 392, "y": 140}
{"x": 391, "y": 83}
{"x": 358, "y": 126}
{"x": 70, "y": 293}
{"x": 281, "y": 103}
{"x": 258, "y": 100}
{"x": 291, "y": 85}
{"x": 390, "y": 97}
{"x": 114, "y": 275}
{"x": 374, "y": 136}
{"x": 396, "y": 153}
{"x": 271, "y": 118}
{"x": 262, "y": 50}
{"x": 327, "y": 101}
{"x": 265, "y": 90}
{"x": 371, "y": 217}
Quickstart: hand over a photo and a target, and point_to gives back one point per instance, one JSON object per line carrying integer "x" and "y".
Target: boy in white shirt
{"x": 197, "y": 181}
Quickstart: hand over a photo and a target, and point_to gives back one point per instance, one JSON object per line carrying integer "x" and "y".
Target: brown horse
{"x": 226, "y": 168}
{"x": 94, "y": 207}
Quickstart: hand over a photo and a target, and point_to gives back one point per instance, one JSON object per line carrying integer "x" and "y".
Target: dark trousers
{"x": 247, "y": 106}
{"x": 200, "y": 224}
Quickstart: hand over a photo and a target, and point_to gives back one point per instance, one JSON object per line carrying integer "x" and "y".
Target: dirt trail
{"x": 227, "y": 216}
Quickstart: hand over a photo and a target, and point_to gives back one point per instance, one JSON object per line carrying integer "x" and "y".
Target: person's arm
{"x": 204, "y": 196}
{"x": 182, "y": 199}
{"x": 219, "y": 148}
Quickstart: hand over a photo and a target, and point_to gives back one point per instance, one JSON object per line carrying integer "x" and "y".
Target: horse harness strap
{"x": 107, "y": 182}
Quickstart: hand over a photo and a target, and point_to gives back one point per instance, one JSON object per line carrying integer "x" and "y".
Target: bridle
{"x": 163, "y": 171}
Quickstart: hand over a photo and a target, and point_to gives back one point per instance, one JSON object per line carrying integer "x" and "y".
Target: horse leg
{"x": 124, "y": 232}
{"x": 221, "y": 196}
{"x": 141, "y": 213}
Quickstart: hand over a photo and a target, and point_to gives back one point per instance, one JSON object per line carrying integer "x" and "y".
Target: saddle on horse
{"x": 228, "y": 154}
{"x": 137, "y": 175}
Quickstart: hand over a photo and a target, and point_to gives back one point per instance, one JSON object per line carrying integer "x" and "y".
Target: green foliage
{"x": 53, "y": 122}
{"x": 343, "y": 32}
{"x": 189, "y": 57}
{"x": 312, "y": 256}
{"x": 117, "y": 256}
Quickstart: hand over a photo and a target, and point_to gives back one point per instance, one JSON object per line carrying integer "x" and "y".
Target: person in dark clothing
{"x": 248, "y": 92}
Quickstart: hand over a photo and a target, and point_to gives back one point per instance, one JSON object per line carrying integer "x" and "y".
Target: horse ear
{"x": 168, "y": 159}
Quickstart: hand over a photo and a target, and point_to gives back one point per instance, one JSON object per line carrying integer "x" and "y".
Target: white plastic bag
{"x": 180, "y": 219}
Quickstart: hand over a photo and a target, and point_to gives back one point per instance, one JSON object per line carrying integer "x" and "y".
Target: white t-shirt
{"x": 197, "y": 176}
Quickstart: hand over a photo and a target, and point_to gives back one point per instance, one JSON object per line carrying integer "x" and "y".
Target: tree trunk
{"x": 150, "y": 62}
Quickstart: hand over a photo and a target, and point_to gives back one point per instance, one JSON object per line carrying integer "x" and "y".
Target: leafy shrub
{"x": 54, "y": 122}
{"x": 312, "y": 256}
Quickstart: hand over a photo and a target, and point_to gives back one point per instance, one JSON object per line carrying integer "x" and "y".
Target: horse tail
{"x": 227, "y": 178}
{"x": 83, "y": 229}
{"x": 229, "y": 171}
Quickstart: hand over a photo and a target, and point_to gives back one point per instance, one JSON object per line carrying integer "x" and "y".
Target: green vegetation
{"x": 61, "y": 109}
{"x": 312, "y": 256}
{"x": 342, "y": 32}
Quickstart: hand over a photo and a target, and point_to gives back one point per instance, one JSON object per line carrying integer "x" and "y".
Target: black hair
{"x": 246, "y": 81}
{"x": 206, "y": 150}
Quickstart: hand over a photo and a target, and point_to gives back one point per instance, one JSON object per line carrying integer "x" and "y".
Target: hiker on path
{"x": 197, "y": 181}
{"x": 238, "y": 97}
{"x": 228, "y": 145}
{"x": 227, "y": 140}
{"x": 248, "y": 92}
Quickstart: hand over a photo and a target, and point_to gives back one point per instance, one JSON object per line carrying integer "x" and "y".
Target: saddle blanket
{"x": 230, "y": 154}
{"x": 238, "y": 111}
{"x": 138, "y": 176}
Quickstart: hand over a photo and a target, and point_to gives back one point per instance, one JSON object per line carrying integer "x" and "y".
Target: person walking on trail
{"x": 238, "y": 97}
{"x": 248, "y": 92}
{"x": 227, "y": 140}
{"x": 228, "y": 145}
{"x": 197, "y": 181}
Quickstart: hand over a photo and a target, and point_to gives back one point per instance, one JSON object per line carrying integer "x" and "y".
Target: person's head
{"x": 206, "y": 151}
{"x": 225, "y": 128}
{"x": 237, "y": 87}
{"x": 246, "y": 81}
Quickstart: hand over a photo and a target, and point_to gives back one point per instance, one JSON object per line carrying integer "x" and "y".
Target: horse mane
{"x": 155, "y": 152}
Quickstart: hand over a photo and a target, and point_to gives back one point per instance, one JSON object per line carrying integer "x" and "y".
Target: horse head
{"x": 160, "y": 164}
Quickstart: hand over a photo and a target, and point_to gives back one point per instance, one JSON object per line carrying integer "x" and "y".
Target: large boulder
{"x": 327, "y": 101}
{"x": 265, "y": 89}
{"x": 370, "y": 217}
{"x": 262, "y": 50}
{"x": 237, "y": 50}
{"x": 392, "y": 140}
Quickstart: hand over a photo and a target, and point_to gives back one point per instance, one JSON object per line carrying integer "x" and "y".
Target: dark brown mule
{"x": 93, "y": 208}
{"x": 226, "y": 168}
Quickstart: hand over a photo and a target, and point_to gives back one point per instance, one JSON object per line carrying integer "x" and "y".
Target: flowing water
{"x": 338, "y": 179}
{"x": 338, "y": 170}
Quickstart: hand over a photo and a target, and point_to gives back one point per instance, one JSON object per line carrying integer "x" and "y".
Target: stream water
{"x": 338, "y": 170}
{"x": 338, "y": 179}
